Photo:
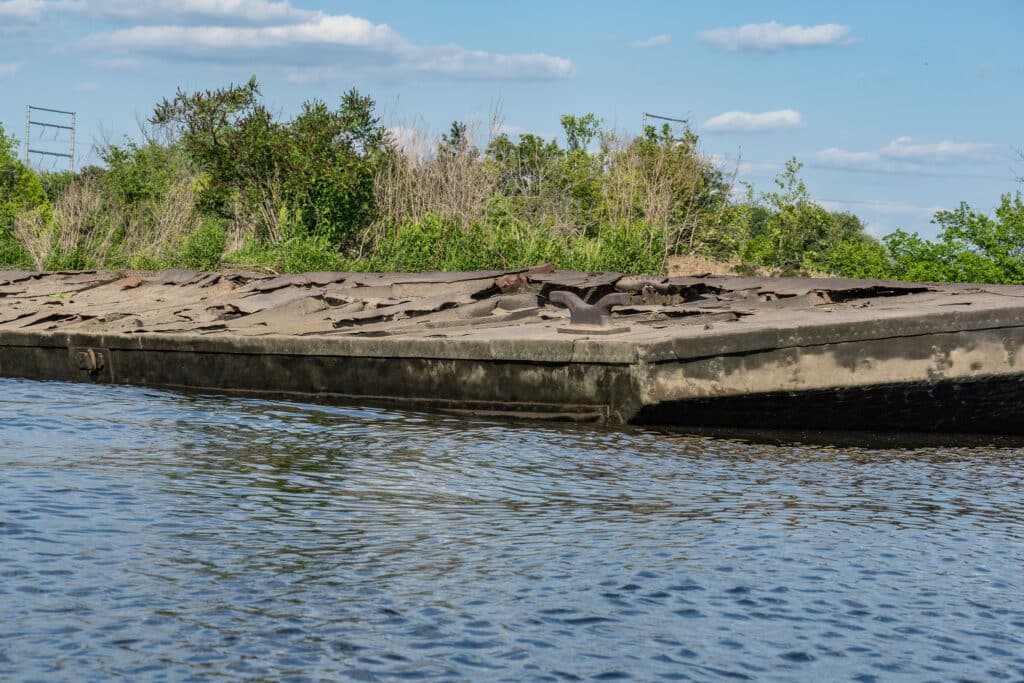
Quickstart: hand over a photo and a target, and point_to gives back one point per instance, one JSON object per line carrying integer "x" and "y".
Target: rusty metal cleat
{"x": 587, "y": 318}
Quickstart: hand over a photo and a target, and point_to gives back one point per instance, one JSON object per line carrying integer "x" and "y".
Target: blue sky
{"x": 896, "y": 109}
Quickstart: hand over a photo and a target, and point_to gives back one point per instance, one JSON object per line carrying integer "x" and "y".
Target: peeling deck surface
{"x": 451, "y": 305}
{"x": 675, "y": 330}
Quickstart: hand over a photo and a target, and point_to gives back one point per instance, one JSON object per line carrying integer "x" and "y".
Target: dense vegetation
{"x": 217, "y": 180}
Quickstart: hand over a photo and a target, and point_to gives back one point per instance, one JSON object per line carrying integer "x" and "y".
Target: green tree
{"x": 971, "y": 247}
{"x": 661, "y": 179}
{"x": 332, "y": 161}
{"x": 455, "y": 142}
{"x": 20, "y": 192}
{"x": 580, "y": 131}
{"x": 797, "y": 233}
{"x": 316, "y": 172}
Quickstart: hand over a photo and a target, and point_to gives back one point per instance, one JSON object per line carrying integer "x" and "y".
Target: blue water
{"x": 155, "y": 536}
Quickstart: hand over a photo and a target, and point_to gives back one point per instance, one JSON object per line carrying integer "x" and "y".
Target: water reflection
{"x": 150, "y": 535}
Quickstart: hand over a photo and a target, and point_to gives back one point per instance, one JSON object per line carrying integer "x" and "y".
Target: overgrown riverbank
{"x": 218, "y": 180}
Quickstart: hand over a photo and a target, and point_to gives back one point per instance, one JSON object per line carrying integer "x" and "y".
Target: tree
{"x": 971, "y": 247}
{"x": 798, "y": 234}
{"x": 580, "y": 131}
{"x": 316, "y": 171}
{"x": 455, "y": 142}
{"x": 21, "y": 195}
{"x": 333, "y": 157}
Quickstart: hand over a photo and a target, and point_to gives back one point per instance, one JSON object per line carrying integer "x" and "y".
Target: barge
{"x": 698, "y": 351}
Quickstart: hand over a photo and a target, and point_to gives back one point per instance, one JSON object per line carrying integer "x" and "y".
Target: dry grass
{"x": 83, "y": 223}
{"x": 693, "y": 264}
{"x": 31, "y": 229}
{"x": 420, "y": 181}
{"x": 155, "y": 228}
{"x": 105, "y": 233}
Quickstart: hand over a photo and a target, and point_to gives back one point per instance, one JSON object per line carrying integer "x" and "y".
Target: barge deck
{"x": 697, "y": 351}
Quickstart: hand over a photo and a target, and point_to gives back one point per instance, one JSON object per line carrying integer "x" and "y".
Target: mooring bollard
{"x": 587, "y": 318}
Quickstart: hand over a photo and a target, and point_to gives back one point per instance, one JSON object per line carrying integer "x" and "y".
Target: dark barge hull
{"x": 700, "y": 352}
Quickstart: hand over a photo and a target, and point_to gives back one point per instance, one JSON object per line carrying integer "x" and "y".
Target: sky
{"x": 896, "y": 109}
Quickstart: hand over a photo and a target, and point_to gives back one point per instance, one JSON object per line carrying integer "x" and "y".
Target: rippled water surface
{"x": 154, "y": 536}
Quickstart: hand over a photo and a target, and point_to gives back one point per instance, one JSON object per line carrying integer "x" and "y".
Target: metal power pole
{"x": 662, "y": 118}
{"x": 58, "y": 121}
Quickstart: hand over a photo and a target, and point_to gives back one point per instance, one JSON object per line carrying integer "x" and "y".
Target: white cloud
{"x": 742, "y": 167}
{"x": 248, "y": 10}
{"x": 502, "y": 128}
{"x": 156, "y": 10}
{"x": 908, "y": 148}
{"x": 346, "y": 43}
{"x": 343, "y": 30}
{"x": 87, "y": 86}
{"x": 834, "y": 156}
{"x": 748, "y": 122}
{"x": 880, "y": 205}
{"x": 9, "y": 69}
{"x": 22, "y": 9}
{"x": 412, "y": 141}
{"x": 906, "y": 154}
{"x": 773, "y": 36}
{"x": 456, "y": 61}
{"x": 654, "y": 41}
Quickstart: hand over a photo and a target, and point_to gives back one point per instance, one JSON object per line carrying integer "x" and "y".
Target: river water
{"x": 156, "y": 536}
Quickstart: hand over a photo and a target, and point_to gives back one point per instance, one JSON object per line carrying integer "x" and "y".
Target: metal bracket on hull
{"x": 90, "y": 364}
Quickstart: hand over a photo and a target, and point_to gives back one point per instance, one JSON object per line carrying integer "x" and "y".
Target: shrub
{"x": 13, "y": 253}
{"x": 304, "y": 254}
{"x": 203, "y": 249}
{"x": 322, "y": 165}
{"x": 858, "y": 259}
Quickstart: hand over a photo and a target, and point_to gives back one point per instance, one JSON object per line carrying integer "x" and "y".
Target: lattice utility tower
{"x": 67, "y": 123}
{"x": 662, "y": 118}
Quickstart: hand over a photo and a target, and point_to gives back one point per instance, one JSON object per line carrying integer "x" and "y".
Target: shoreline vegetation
{"x": 218, "y": 181}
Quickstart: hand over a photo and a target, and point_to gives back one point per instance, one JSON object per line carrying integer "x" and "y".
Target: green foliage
{"x": 13, "y": 253}
{"x": 75, "y": 259}
{"x": 438, "y": 244}
{"x": 455, "y": 142}
{"x": 204, "y": 248}
{"x": 329, "y": 189}
{"x": 580, "y": 131}
{"x": 796, "y": 224}
{"x": 634, "y": 248}
{"x": 321, "y": 165}
{"x": 229, "y": 135}
{"x": 986, "y": 249}
{"x": 866, "y": 259}
{"x": 137, "y": 174}
{"x": 971, "y": 247}
{"x": 789, "y": 233}
{"x": 20, "y": 188}
{"x": 296, "y": 254}
{"x": 303, "y": 254}
{"x": 430, "y": 244}
{"x": 334, "y": 157}
{"x": 54, "y": 183}
{"x": 146, "y": 262}
{"x": 10, "y": 172}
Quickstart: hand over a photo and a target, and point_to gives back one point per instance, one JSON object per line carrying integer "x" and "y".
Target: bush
{"x": 303, "y": 254}
{"x": 204, "y": 248}
{"x": 861, "y": 259}
{"x": 330, "y": 188}
{"x": 75, "y": 259}
{"x": 438, "y": 244}
{"x": 322, "y": 165}
{"x": 13, "y": 253}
